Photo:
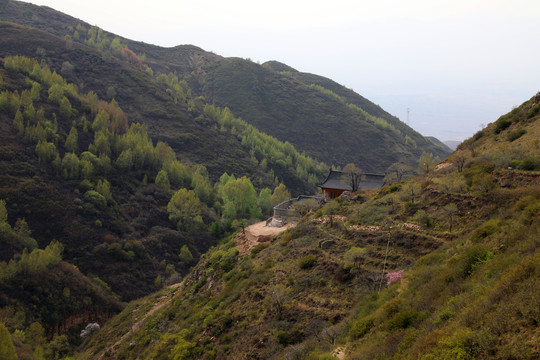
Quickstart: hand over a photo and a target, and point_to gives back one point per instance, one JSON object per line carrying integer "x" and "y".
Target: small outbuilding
{"x": 337, "y": 182}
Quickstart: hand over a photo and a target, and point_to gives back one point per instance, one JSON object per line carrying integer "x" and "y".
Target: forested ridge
{"x": 126, "y": 210}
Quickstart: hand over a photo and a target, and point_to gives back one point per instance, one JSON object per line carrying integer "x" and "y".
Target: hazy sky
{"x": 456, "y": 64}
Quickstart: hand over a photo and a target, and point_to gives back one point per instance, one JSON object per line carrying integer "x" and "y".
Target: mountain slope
{"x": 288, "y": 108}
{"x": 443, "y": 266}
{"x": 299, "y": 107}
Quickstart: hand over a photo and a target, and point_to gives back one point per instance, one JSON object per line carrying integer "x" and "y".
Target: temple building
{"x": 337, "y": 182}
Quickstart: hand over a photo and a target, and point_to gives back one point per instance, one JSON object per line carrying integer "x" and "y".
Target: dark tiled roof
{"x": 334, "y": 181}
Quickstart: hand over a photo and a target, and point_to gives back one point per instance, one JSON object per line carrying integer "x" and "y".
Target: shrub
{"x": 533, "y": 111}
{"x": 473, "y": 257}
{"x": 307, "y": 262}
{"x": 403, "y": 319}
{"x": 502, "y": 124}
{"x": 258, "y": 248}
{"x": 528, "y": 164}
{"x": 95, "y": 199}
{"x": 514, "y": 164}
{"x": 485, "y": 230}
{"x": 516, "y": 134}
{"x": 360, "y": 327}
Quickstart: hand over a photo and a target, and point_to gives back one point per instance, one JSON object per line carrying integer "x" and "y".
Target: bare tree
{"x": 399, "y": 170}
{"x": 276, "y": 298}
{"x": 459, "y": 160}
{"x": 352, "y": 175}
{"x": 331, "y": 333}
{"x": 450, "y": 210}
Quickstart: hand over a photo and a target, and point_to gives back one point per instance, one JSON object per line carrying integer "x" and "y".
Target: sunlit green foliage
{"x": 70, "y": 166}
{"x": 264, "y": 146}
{"x": 185, "y": 210}
{"x": 162, "y": 180}
{"x": 32, "y": 262}
{"x": 72, "y": 141}
{"x": 239, "y": 199}
{"x": 280, "y": 194}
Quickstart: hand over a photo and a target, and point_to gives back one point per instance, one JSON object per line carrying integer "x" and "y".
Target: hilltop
{"x": 442, "y": 266}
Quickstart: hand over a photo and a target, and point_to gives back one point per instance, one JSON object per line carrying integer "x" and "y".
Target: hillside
{"x": 299, "y": 107}
{"x": 101, "y": 157}
{"x": 443, "y": 266}
{"x": 289, "y": 105}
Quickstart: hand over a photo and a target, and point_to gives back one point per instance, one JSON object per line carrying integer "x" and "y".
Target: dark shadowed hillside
{"x": 318, "y": 116}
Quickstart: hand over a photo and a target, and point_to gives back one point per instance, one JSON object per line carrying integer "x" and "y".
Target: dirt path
{"x": 137, "y": 326}
{"x": 255, "y": 234}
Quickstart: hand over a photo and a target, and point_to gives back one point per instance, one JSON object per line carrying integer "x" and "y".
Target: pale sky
{"x": 457, "y": 64}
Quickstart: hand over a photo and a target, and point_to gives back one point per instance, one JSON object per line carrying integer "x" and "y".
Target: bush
{"x": 502, "y": 124}
{"x": 485, "y": 230}
{"x": 360, "y": 327}
{"x": 403, "y": 319}
{"x": 535, "y": 110}
{"x": 473, "y": 257}
{"x": 307, "y": 262}
{"x": 516, "y": 134}
{"x": 528, "y": 164}
{"x": 95, "y": 199}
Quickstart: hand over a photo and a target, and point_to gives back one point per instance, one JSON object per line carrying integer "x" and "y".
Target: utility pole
{"x": 408, "y": 111}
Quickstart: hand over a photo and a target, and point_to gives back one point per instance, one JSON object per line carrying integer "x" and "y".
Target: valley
{"x": 136, "y": 184}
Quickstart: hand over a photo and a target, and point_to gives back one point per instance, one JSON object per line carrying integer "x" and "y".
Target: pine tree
{"x": 162, "y": 180}
{"x": 72, "y": 141}
{"x": 7, "y": 349}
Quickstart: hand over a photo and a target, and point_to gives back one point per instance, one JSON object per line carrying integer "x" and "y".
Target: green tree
{"x": 101, "y": 121}
{"x": 165, "y": 154}
{"x": 185, "y": 255}
{"x": 56, "y": 94}
{"x": 185, "y": 210}
{"x": 180, "y": 175}
{"x": 124, "y": 161}
{"x": 265, "y": 201}
{"x": 24, "y": 234}
{"x": 3, "y": 212}
{"x": 65, "y": 108}
{"x": 240, "y": 199}
{"x": 18, "y": 123}
{"x": 59, "y": 347}
{"x": 102, "y": 142}
{"x": 96, "y": 199}
{"x": 7, "y": 349}
{"x": 35, "y": 335}
{"x": 70, "y": 166}
{"x": 280, "y": 194}
{"x": 29, "y": 113}
{"x": 162, "y": 180}
{"x": 202, "y": 187}
{"x": 86, "y": 168}
{"x": 72, "y": 141}
{"x": 104, "y": 188}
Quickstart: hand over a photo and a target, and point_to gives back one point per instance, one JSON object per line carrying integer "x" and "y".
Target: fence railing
{"x": 290, "y": 209}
